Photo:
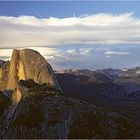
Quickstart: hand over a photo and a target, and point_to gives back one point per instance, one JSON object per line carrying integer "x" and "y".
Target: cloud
{"x": 115, "y": 53}
{"x": 5, "y": 53}
{"x": 74, "y": 42}
{"x": 48, "y": 53}
{"x": 79, "y": 51}
{"x": 100, "y": 28}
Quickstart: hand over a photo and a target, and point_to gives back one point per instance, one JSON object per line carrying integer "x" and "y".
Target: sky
{"x": 73, "y": 34}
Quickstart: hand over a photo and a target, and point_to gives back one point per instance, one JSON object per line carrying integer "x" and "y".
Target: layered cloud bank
{"x": 74, "y": 41}
{"x": 48, "y": 53}
{"x": 101, "y": 28}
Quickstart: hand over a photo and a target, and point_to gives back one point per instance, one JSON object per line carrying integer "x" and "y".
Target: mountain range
{"x": 37, "y": 102}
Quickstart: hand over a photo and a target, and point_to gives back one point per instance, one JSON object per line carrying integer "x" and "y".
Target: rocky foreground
{"x": 44, "y": 112}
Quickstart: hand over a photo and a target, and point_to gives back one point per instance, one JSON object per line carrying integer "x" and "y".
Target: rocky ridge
{"x": 26, "y": 64}
{"x": 44, "y": 112}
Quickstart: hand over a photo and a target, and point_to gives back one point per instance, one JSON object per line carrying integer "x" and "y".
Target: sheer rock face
{"x": 26, "y": 64}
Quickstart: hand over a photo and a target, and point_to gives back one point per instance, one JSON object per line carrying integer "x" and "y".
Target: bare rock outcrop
{"x": 54, "y": 116}
{"x": 26, "y": 64}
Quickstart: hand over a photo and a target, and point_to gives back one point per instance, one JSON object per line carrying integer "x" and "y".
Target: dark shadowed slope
{"x": 46, "y": 113}
{"x": 100, "y": 92}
